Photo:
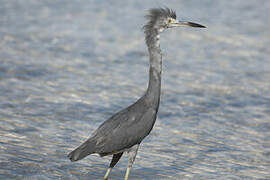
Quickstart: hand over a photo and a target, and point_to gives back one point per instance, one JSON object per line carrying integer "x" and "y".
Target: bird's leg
{"x": 115, "y": 159}
{"x": 132, "y": 152}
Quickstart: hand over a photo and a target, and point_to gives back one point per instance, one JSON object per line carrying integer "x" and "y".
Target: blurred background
{"x": 66, "y": 66}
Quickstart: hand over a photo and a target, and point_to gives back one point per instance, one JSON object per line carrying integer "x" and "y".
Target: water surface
{"x": 66, "y": 66}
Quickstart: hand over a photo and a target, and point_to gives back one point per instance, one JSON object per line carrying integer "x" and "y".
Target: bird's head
{"x": 160, "y": 19}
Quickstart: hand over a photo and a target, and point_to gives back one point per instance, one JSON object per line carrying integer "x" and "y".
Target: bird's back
{"x": 120, "y": 132}
{"x": 125, "y": 129}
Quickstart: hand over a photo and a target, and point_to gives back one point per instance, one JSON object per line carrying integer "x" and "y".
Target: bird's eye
{"x": 170, "y": 21}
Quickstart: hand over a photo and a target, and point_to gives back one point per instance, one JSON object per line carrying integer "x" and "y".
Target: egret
{"x": 125, "y": 130}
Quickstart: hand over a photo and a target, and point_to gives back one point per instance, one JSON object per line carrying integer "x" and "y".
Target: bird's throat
{"x": 154, "y": 85}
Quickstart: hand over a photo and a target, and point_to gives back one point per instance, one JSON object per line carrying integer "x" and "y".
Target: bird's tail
{"x": 83, "y": 150}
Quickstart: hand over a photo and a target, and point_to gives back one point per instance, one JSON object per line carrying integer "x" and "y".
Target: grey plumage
{"x": 125, "y": 130}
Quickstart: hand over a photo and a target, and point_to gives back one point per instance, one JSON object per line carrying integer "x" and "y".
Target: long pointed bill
{"x": 190, "y": 24}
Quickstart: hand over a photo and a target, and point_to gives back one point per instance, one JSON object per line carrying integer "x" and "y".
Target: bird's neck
{"x": 154, "y": 85}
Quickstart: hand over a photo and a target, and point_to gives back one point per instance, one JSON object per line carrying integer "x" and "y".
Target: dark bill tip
{"x": 195, "y": 25}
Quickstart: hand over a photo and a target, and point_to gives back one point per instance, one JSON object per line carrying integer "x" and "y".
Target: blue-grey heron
{"x": 125, "y": 130}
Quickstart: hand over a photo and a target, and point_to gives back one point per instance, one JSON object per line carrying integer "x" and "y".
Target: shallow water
{"x": 66, "y": 67}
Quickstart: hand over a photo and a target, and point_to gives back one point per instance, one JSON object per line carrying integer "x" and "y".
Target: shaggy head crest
{"x": 157, "y": 21}
{"x": 156, "y": 13}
